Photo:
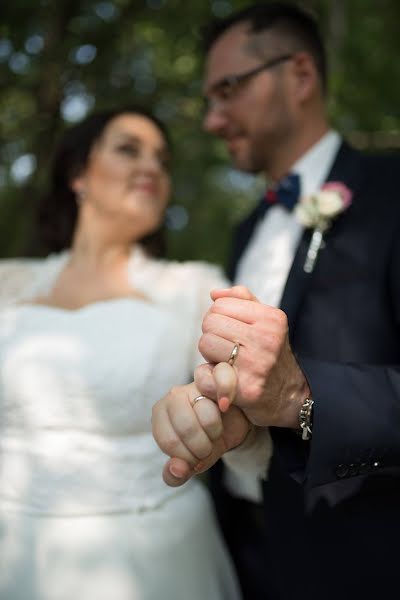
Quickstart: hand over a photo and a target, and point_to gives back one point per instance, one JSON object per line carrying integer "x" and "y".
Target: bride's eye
{"x": 129, "y": 149}
{"x": 165, "y": 161}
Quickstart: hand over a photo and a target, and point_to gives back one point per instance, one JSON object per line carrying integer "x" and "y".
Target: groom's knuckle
{"x": 280, "y": 318}
{"x": 174, "y": 392}
{"x": 252, "y": 391}
{"x": 207, "y": 321}
{"x": 204, "y": 343}
{"x": 242, "y": 291}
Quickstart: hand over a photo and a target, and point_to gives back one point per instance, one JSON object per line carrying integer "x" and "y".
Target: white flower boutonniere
{"x": 318, "y": 211}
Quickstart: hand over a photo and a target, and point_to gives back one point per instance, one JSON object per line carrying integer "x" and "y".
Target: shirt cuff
{"x": 248, "y": 464}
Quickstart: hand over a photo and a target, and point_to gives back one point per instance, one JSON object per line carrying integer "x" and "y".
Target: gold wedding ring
{"x": 233, "y": 354}
{"x": 193, "y": 402}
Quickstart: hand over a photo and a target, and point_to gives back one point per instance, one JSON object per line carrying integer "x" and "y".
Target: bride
{"x": 90, "y": 338}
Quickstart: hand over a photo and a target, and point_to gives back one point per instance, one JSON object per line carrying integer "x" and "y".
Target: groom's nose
{"x": 215, "y": 120}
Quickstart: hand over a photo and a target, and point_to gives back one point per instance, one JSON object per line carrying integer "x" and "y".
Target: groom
{"x": 326, "y": 379}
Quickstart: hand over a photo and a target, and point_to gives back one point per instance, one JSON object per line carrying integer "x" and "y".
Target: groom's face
{"x": 253, "y": 115}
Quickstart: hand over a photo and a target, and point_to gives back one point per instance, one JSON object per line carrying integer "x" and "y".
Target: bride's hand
{"x": 196, "y": 434}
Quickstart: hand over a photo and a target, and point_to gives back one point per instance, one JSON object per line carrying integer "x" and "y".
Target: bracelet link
{"x": 305, "y": 418}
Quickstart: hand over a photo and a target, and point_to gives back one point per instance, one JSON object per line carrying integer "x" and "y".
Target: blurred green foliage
{"x": 61, "y": 58}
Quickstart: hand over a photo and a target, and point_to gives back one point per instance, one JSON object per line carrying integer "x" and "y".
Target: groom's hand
{"x": 271, "y": 386}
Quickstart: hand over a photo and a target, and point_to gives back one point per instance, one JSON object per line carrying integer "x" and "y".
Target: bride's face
{"x": 127, "y": 178}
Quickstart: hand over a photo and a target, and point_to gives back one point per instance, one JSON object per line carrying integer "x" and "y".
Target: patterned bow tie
{"x": 286, "y": 192}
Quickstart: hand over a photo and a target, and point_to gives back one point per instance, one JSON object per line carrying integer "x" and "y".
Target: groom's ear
{"x": 305, "y": 79}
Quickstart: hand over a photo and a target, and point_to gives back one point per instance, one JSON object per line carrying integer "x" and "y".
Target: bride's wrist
{"x": 248, "y": 439}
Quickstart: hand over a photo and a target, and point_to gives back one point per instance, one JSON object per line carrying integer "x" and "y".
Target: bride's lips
{"x": 148, "y": 188}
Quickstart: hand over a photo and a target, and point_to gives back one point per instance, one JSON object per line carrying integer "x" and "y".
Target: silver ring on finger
{"x": 197, "y": 399}
{"x": 234, "y": 354}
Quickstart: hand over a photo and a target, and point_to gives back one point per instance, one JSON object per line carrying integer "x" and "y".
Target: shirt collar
{"x": 314, "y": 166}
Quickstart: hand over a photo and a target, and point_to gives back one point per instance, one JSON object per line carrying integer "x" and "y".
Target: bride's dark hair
{"x": 57, "y": 211}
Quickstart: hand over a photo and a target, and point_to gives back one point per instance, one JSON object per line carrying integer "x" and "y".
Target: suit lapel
{"x": 346, "y": 169}
{"x": 297, "y": 282}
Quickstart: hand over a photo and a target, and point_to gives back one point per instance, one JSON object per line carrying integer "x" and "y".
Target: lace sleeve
{"x": 17, "y": 279}
{"x": 182, "y": 286}
{"x": 208, "y": 277}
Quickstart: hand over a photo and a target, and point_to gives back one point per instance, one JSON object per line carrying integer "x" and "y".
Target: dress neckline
{"x": 137, "y": 258}
{"x": 86, "y": 307}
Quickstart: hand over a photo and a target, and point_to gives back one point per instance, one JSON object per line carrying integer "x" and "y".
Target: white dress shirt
{"x": 264, "y": 268}
{"x": 266, "y": 262}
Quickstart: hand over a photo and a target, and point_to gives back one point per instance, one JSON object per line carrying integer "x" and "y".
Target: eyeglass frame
{"x": 237, "y": 80}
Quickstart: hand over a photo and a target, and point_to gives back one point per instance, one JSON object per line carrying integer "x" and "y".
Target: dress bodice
{"x": 77, "y": 387}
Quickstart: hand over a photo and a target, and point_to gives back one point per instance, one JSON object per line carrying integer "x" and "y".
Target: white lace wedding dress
{"x": 84, "y": 513}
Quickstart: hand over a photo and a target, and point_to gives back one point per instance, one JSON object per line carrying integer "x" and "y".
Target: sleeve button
{"x": 342, "y": 471}
{"x": 364, "y": 468}
{"x": 354, "y": 469}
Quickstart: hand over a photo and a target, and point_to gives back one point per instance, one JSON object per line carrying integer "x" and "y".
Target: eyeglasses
{"x": 226, "y": 88}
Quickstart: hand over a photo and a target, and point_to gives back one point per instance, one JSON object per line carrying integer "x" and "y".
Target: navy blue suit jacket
{"x": 333, "y": 505}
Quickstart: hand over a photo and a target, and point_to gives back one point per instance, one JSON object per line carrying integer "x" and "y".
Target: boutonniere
{"x": 318, "y": 211}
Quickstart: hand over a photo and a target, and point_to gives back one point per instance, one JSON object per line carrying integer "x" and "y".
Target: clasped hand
{"x": 264, "y": 387}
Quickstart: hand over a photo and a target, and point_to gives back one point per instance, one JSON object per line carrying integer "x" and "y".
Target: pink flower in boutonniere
{"x": 318, "y": 211}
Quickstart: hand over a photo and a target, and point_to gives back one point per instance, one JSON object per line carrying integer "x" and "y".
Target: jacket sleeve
{"x": 356, "y": 421}
{"x": 356, "y": 429}
{"x": 357, "y": 408}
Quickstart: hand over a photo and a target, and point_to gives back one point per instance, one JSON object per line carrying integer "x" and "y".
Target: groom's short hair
{"x": 287, "y": 20}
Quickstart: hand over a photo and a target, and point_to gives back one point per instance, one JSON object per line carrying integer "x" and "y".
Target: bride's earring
{"x": 80, "y": 196}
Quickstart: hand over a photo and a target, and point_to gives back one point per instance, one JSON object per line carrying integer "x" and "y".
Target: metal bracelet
{"x": 305, "y": 418}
